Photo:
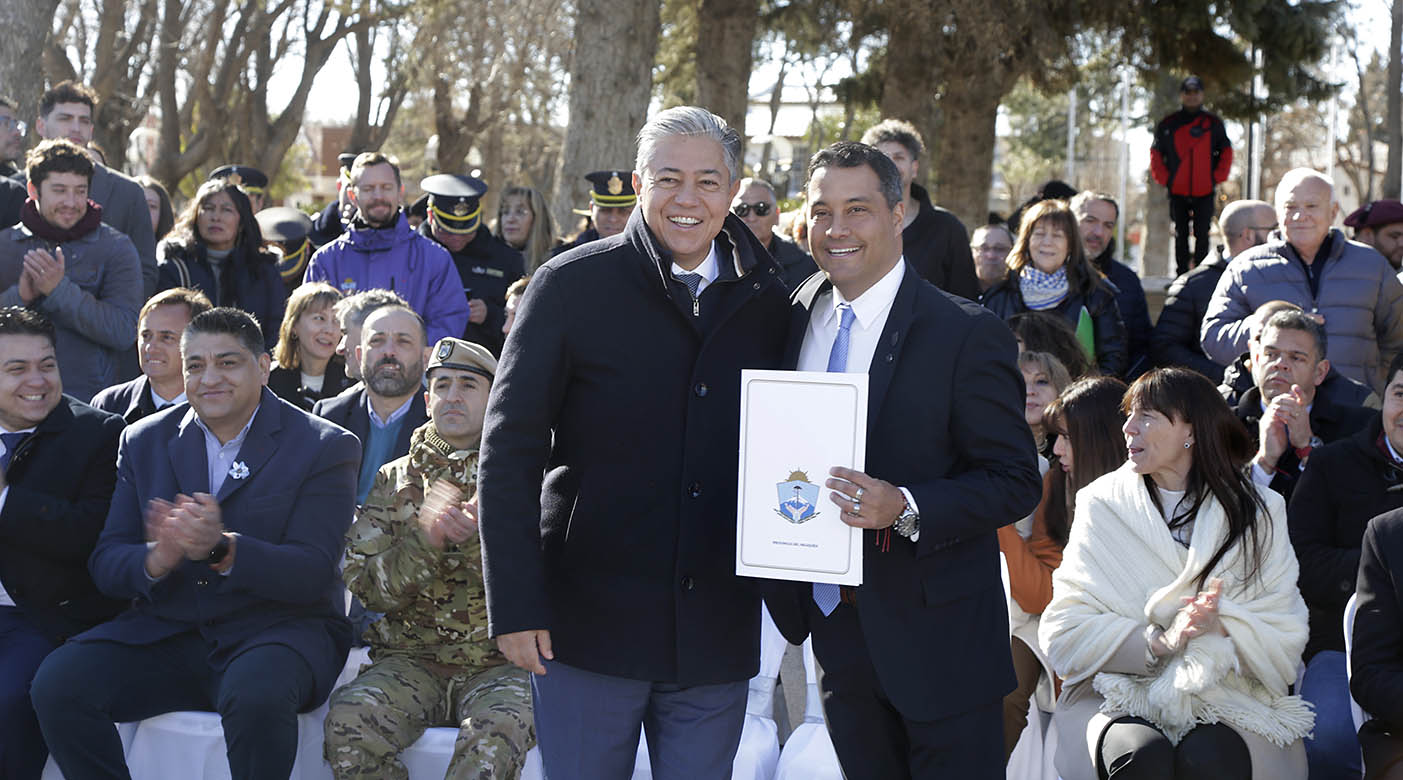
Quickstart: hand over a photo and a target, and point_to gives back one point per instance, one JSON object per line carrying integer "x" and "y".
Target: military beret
{"x": 1376, "y": 214}
{"x": 463, "y": 355}
{"x": 245, "y": 177}
{"x": 455, "y": 201}
{"x": 612, "y": 188}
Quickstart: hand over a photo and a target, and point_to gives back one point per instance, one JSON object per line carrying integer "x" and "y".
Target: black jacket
{"x": 1337, "y": 388}
{"x": 12, "y": 197}
{"x": 1175, "y": 341}
{"x": 487, "y": 267}
{"x": 627, "y": 403}
{"x": 130, "y": 400}
{"x": 794, "y": 264}
{"x": 1134, "y": 310}
{"x": 936, "y": 244}
{"x": 587, "y": 235}
{"x": 287, "y": 384}
{"x": 256, "y": 288}
{"x": 1376, "y": 656}
{"x": 1346, "y": 484}
{"x": 348, "y": 410}
{"x": 327, "y": 225}
{"x": 1328, "y": 421}
{"x": 1006, "y": 299}
{"x": 61, "y": 480}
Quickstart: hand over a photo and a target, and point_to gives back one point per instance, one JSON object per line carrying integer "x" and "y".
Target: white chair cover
{"x": 1355, "y": 710}
{"x": 126, "y": 731}
{"x": 808, "y": 754}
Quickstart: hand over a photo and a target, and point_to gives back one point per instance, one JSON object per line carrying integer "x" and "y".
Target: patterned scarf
{"x": 1042, "y": 291}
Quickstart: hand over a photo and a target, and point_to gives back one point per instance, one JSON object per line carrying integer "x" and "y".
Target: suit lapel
{"x": 885, "y": 357}
{"x": 259, "y": 445}
{"x": 799, "y": 313}
{"x": 186, "y": 451}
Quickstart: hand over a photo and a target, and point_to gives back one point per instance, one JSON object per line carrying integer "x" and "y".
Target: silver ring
{"x": 859, "y": 494}
{"x": 857, "y": 507}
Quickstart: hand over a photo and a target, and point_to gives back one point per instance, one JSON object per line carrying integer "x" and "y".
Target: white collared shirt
{"x": 159, "y": 402}
{"x": 220, "y": 457}
{"x": 708, "y": 269}
{"x": 870, "y": 311}
{"x": 5, "y": 600}
{"x": 395, "y": 415}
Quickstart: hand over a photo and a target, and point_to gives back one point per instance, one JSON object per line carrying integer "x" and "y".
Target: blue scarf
{"x": 1042, "y": 291}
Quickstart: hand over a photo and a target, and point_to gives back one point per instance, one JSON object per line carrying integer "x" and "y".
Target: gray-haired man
{"x": 614, "y": 582}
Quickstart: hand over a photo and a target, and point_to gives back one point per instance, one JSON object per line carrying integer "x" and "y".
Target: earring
{"x": 1188, "y": 444}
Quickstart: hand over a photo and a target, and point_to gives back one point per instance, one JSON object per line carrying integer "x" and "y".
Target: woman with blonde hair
{"x": 524, "y": 223}
{"x": 306, "y": 367}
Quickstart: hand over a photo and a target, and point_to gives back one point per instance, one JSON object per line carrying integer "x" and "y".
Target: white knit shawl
{"x": 1121, "y": 570}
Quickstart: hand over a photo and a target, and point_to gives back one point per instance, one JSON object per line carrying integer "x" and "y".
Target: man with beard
{"x": 1097, "y": 215}
{"x": 386, "y": 409}
{"x": 485, "y": 263}
{"x": 1380, "y": 225}
{"x": 381, "y": 250}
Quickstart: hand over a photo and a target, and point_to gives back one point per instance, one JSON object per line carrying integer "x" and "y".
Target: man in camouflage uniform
{"x": 414, "y": 554}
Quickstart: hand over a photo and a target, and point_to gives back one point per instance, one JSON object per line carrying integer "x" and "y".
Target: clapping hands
{"x": 1198, "y": 616}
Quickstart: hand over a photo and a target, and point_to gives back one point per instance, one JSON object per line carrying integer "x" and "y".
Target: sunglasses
{"x": 742, "y": 210}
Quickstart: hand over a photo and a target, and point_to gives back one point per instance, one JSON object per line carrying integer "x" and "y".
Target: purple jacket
{"x": 397, "y": 259}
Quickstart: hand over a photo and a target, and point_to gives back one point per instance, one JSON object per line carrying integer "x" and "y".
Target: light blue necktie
{"x": 826, "y": 594}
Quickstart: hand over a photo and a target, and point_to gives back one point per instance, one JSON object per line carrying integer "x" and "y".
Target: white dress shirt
{"x": 870, "y": 310}
{"x": 160, "y": 402}
{"x": 708, "y": 269}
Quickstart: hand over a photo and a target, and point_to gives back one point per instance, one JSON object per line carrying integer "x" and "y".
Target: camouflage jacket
{"x": 433, "y": 600}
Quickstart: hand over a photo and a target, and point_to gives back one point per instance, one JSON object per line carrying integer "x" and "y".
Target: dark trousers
{"x": 587, "y": 725}
{"x": 1133, "y": 749}
{"x": 22, "y": 648}
{"x": 1184, "y": 209}
{"x": 876, "y": 742}
{"x": 83, "y": 687}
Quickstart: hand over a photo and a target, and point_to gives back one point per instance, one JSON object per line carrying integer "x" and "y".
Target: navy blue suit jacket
{"x": 291, "y": 513}
{"x": 348, "y": 411}
{"x": 944, "y": 420}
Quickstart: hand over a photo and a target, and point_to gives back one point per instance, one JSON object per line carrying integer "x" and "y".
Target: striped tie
{"x": 826, "y": 595}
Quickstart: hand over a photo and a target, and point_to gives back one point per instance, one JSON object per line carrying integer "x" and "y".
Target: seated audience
{"x": 162, "y": 382}
{"x": 1043, "y": 377}
{"x": 1175, "y": 622}
{"x": 525, "y": 224}
{"x": 1097, "y": 215}
{"x": 224, "y": 535}
{"x": 351, "y": 312}
{"x": 63, "y": 261}
{"x": 414, "y": 554}
{"x": 1043, "y": 332}
{"x": 1376, "y": 656}
{"x": 58, "y": 463}
{"x": 306, "y": 368}
{"x": 1085, "y": 419}
{"x": 1348, "y": 482}
{"x": 216, "y": 247}
{"x": 1048, "y": 271}
{"x": 1337, "y": 388}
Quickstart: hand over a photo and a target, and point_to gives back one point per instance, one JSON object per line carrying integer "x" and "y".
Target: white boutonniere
{"x": 238, "y": 470}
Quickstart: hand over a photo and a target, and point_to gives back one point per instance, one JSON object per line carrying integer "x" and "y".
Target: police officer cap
{"x": 284, "y": 225}
{"x": 346, "y": 160}
{"x": 612, "y": 188}
{"x": 454, "y": 201}
{"x": 1191, "y": 84}
{"x": 245, "y": 177}
{"x": 420, "y": 207}
{"x": 1376, "y": 214}
{"x": 463, "y": 355}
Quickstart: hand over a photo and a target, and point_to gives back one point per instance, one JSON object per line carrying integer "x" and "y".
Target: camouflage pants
{"x": 388, "y": 706}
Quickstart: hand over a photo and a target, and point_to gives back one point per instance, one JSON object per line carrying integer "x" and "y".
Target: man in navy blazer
{"x": 225, "y": 533}
{"x": 916, "y": 659}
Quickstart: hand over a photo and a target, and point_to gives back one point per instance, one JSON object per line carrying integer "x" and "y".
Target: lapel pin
{"x": 238, "y": 470}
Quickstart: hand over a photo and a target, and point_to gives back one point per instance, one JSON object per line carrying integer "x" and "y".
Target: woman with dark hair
{"x": 1038, "y": 331}
{"x": 306, "y": 368}
{"x": 1048, "y": 271}
{"x": 217, "y": 248}
{"x": 524, "y": 223}
{"x": 158, "y": 202}
{"x": 1084, "y": 422}
{"x": 1175, "y": 621}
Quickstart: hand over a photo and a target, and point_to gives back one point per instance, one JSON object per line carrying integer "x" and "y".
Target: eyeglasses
{"x": 742, "y": 210}
{"x": 10, "y": 123}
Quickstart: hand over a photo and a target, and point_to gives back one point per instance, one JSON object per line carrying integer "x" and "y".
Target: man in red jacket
{"x": 1191, "y": 154}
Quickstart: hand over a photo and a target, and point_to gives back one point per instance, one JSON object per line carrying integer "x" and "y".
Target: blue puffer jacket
{"x": 1360, "y": 297}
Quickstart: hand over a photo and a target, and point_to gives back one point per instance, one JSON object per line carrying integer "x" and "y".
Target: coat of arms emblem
{"x": 616, "y": 185}
{"x": 798, "y": 498}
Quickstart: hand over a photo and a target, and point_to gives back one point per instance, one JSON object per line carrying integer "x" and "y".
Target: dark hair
{"x": 1394, "y": 366}
{"x": 226, "y": 319}
{"x": 167, "y": 219}
{"x": 19, "y": 321}
{"x": 1082, "y": 276}
{"x": 1084, "y": 197}
{"x": 248, "y": 243}
{"x": 1221, "y": 448}
{"x": 850, "y": 154}
{"x": 1043, "y": 332}
{"x": 1089, "y": 414}
{"x": 1295, "y": 319}
{"x": 898, "y": 131}
{"x": 193, "y": 300}
{"x": 67, "y": 92}
{"x": 57, "y": 156}
{"x": 367, "y": 159}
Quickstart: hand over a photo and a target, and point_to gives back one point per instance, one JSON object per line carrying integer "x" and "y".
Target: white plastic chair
{"x": 1355, "y": 710}
{"x": 125, "y": 731}
{"x": 808, "y": 753}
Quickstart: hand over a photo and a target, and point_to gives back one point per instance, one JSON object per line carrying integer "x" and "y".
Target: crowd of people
{"x": 237, "y": 440}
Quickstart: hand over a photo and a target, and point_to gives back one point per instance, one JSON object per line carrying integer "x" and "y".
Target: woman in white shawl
{"x": 1175, "y": 621}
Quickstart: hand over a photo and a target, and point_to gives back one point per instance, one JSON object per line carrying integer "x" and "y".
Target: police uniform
{"x": 288, "y": 229}
{"x": 247, "y": 178}
{"x": 486, "y": 264}
{"x": 330, "y": 222}
{"x": 433, "y": 663}
{"x": 608, "y": 189}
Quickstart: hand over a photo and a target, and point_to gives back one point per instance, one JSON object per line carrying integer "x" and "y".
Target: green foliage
{"x": 675, "y": 72}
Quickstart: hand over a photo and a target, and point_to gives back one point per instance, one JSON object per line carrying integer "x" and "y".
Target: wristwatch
{"x": 219, "y": 552}
{"x": 908, "y": 522}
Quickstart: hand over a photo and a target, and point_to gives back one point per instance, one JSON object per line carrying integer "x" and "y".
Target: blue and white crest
{"x": 798, "y": 498}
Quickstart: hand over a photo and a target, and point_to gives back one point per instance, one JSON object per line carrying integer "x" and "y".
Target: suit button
{"x": 756, "y": 285}
{"x": 688, "y": 584}
{"x": 700, "y": 389}
{"x": 202, "y": 581}
{"x": 1346, "y": 586}
{"x": 694, "y": 490}
{"x": 890, "y": 357}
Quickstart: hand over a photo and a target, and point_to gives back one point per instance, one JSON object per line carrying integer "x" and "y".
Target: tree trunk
{"x": 608, "y": 94}
{"x": 724, "y": 45}
{"x": 1393, "y": 178}
{"x": 912, "y": 73}
{"x": 776, "y": 100}
{"x": 964, "y": 163}
{"x": 26, "y": 25}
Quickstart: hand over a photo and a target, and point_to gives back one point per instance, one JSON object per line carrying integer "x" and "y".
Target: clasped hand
{"x": 1197, "y": 616}
{"x": 41, "y": 273}
{"x": 445, "y": 517}
{"x": 187, "y": 528}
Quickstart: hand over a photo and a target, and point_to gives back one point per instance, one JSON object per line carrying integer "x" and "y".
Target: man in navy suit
{"x": 225, "y": 532}
{"x": 916, "y": 659}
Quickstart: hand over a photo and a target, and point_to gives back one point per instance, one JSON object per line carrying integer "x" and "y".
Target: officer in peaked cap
{"x": 611, "y": 201}
{"x": 288, "y": 228}
{"x": 252, "y": 181}
{"x": 1380, "y": 225}
{"x": 485, "y": 263}
{"x": 418, "y": 211}
{"x": 331, "y": 222}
